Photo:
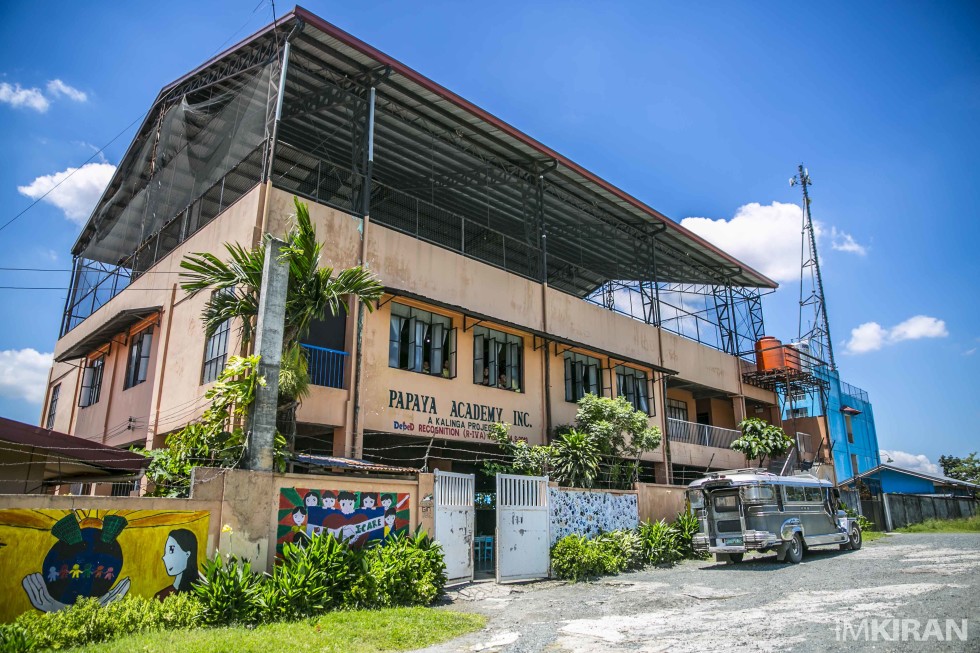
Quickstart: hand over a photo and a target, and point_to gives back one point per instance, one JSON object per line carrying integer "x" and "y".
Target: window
{"x": 124, "y": 488}
{"x": 92, "y": 382}
{"x": 139, "y": 358}
{"x": 795, "y": 413}
{"x": 632, "y": 385}
{"x": 421, "y": 341}
{"x": 498, "y": 359}
{"x": 216, "y": 353}
{"x": 854, "y": 465}
{"x": 850, "y": 429}
{"x": 581, "y": 376}
{"x": 814, "y": 494}
{"x": 677, "y": 409}
{"x": 52, "y": 407}
{"x": 794, "y": 493}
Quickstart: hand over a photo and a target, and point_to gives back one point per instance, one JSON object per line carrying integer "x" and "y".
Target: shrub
{"x": 576, "y": 558}
{"x": 229, "y": 591}
{"x": 687, "y": 526}
{"x": 408, "y": 570}
{"x": 626, "y": 547}
{"x": 88, "y": 622}
{"x": 661, "y": 543}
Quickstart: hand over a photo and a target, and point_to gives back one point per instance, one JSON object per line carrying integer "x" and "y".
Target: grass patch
{"x": 871, "y": 536}
{"x": 965, "y": 525}
{"x": 360, "y": 631}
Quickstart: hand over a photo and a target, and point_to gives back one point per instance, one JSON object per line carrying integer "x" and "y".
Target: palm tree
{"x": 311, "y": 293}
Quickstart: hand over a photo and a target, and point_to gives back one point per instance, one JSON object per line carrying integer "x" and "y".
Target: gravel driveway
{"x": 759, "y": 605}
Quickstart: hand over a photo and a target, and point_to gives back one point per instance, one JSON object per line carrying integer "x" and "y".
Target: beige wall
{"x": 656, "y": 502}
{"x": 695, "y": 455}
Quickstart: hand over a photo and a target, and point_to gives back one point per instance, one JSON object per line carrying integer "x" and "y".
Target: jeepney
{"x": 753, "y": 510}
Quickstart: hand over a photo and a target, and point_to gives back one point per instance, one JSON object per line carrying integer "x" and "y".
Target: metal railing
{"x": 325, "y": 366}
{"x": 708, "y": 436}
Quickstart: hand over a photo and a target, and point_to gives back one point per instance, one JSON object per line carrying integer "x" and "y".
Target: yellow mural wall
{"x": 48, "y": 558}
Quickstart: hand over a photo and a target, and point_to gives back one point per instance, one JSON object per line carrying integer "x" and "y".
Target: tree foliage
{"x": 604, "y": 446}
{"x": 217, "y": 439}
{"x": 761, "y": 440}
{"x": 962, "y": 469}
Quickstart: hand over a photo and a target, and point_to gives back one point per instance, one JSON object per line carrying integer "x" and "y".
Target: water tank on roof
{"x": 769, "y": 354}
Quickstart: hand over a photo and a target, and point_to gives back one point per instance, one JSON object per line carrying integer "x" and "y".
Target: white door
{"x": 523, "y": 523}
{"x": 454, "y": 523}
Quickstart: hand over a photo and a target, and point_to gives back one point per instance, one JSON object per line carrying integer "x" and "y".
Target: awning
{"x": 106, "y": 332}
{"x": 68, "y": 456}
{"x": 847, "y": 410}
{"x": 354, "y": 464}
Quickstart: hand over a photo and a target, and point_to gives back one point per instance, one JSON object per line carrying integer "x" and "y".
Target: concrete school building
{"x": 516, "y": 280}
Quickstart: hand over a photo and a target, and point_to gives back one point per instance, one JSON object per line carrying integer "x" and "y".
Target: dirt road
{"x": 879, "y": 598}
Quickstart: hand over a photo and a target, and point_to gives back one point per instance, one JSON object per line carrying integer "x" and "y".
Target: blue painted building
{"x": 850, "y": 423}
{"x": 889, "y": 479}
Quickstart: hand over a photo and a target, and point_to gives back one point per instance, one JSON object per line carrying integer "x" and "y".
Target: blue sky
{"x": 703, "y": 110}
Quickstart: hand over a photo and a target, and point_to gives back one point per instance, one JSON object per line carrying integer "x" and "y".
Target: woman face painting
{"x": 175, "y": 559}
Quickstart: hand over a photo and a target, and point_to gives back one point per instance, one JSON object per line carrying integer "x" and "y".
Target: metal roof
{"x": 64, "y": 449}
{"x": 936, "y": 478}
{"x": 354, "y": 464}
{"x": 474, "y": 158}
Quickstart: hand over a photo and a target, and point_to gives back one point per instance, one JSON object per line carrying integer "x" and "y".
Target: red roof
{"x": 70, "y": 448}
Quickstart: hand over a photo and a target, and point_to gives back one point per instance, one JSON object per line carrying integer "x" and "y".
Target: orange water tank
{"x": 791, "y": 356}
{"x": 769, "y": 354}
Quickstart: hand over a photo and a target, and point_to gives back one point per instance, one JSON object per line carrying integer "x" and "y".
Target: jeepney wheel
{"x": 854, "y": 543}
{"x": 794, "y": 549}
{"x": 735, "y": 558}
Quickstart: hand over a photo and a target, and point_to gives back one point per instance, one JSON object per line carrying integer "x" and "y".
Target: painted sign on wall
{"x": 590, "y": 513}
{"x": 354, "y": 517}
{"x": 49, "y": 558}
{"x": 464, "y": 420}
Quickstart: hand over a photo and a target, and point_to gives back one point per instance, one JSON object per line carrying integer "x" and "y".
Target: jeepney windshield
{"x": 696, "y": 498}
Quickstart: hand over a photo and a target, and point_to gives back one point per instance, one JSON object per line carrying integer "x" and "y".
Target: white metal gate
{"x": 523, "y": 523}
{"x": 454, "y": 522}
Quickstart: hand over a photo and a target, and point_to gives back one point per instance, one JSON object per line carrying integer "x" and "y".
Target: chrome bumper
{"x": 752, "y": 540}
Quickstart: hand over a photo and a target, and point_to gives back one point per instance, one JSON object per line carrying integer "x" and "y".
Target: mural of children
{"x": 87, "y": 570}
{"x": 369, "y": 500}
{"x": 311, "y": 500}
{"x": 64, "y": 571}
{"x": 110, "y": 573}
{"x": 329, "y": 499}
{"x": 387, "y": 501}
{"x": 299, "y": 525}
{"x": 180, "y": 560}
{"x": 342, "y": 525}
{"x": 99, "y": 570}
{"x": 52, "y": 575}
{"x": 389, "y": 521}
{"x": 76, "y": 571}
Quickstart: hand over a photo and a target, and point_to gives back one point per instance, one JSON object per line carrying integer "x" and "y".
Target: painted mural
{"x": 354, "y": 517}
{"x": 49, "y": 558}
{"x": 590, "y": 513}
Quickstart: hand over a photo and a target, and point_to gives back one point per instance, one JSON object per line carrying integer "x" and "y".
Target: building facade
{"x": 515, "y": 280}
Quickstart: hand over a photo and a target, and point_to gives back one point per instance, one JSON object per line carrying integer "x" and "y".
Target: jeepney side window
{"x": 813, "y": 494}
{"x": 794, "y": 494}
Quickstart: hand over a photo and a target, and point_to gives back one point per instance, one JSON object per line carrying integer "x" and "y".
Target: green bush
{"x": 576, "y": 558}
{"x": 687, "y": 526}
{"x": 625, "y": 547}
{"x": 408, "y": 570}
{"x": 229, "y": 591}
{"x": 662, "y": 543}
{"x": 88, "y": 622}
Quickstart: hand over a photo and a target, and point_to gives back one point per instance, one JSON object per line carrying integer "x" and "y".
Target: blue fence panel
{"x": 325, "y": 366}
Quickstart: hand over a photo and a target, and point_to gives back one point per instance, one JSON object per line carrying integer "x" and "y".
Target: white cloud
{"x": 24, "y": 374}
{"x": 844, "y": 242}
{"x": 871, "y": 336}
{"x": 970, "y": 352}
{"x": 17, "y": 97}
{"x": 78, "y": 192}
{"x": 911, "y": 461}
{"x": 57, "y": 88}
{"x": 765, "y": 237}
{"x": 920, "y": 326}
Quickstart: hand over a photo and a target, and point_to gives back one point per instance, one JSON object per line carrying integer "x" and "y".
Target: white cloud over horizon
{"x": 28, "y": 98}
{"x": 24, "y": 374}
{"x": 767, "y": 237}
{"x": 915, "y": 462}
{"x": 871, "y": 336}
{"x": 34, "y": 98}
{"x": 78, "y": 192}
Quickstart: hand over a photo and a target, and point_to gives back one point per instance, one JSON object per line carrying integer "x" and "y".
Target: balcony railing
{"x": 707, "y": 436}
{"x": 325, "y": 366}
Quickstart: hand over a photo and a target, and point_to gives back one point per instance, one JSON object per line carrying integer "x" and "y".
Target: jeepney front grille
{"x": 729, "y": 526}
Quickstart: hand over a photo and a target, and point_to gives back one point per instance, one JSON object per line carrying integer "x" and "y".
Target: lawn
{"x": 965, "y": 525}
{"x": 362, "y": 631}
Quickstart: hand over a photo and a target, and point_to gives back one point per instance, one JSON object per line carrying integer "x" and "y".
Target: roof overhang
{"x": 351, "y": 464}
{"x": 104, "y": 333}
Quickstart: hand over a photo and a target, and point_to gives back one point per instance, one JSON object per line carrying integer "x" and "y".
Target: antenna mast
{"x": 813, "y": 306}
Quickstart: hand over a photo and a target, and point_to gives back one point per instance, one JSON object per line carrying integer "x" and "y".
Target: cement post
{"x": 268, "y": 345}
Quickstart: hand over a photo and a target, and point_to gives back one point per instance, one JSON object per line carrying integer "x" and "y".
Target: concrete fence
{"x": 656, "y": 501}
{"x": 907, "y": 509}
